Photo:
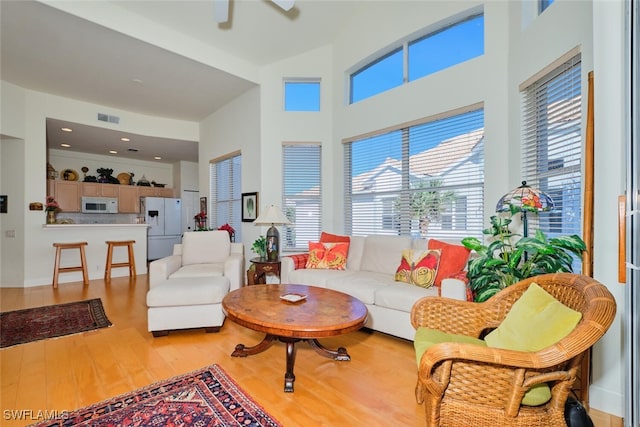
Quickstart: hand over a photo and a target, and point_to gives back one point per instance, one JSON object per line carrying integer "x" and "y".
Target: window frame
{"x": 234, "y": 189}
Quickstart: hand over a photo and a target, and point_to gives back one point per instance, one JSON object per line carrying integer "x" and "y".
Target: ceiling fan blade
{"x": 221, "y": 11}
{"x": 284, "y": 4}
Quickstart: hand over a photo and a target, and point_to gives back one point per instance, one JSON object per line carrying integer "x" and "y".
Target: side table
{"x": 262, "y": 268}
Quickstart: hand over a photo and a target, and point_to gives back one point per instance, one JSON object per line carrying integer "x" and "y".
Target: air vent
{"x": 107, "y": 118}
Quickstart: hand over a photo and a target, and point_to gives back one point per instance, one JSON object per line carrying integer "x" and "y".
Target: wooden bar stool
{"x": 83, "y": 262}
{"x": 131, "y": 263}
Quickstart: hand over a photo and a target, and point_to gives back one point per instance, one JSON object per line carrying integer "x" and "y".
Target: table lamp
{"x": 272, "y": 216}
{"x": 523, "y": 199}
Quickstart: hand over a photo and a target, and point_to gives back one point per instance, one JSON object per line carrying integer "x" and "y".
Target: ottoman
{"x": 184, "y": 303}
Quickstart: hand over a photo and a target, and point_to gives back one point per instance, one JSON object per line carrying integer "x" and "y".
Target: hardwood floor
{"x": 374, "y": 389}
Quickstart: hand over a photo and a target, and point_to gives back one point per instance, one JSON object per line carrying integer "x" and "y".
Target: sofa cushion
{"x": 362, "y": 285}
{"x": 453, "y": 259}
{"x": 381, "y": 253}
{"x": 536, "y": 321}
{"x": 316, "y": 277}
{"x": 198, "y": 270}
{"x": 418, "y": 267}
{"x": 356, "y": 248}
{"x": 402, "y": 296}
{"x": 195, "y": 291}
{"x": 204, "y": 247}
{"x": 332, "y": 256}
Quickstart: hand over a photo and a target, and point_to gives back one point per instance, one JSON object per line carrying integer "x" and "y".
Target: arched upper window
{"x": 440, "y": 49}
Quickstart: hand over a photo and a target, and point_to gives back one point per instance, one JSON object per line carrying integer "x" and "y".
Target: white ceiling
{"x": 46, "y": 49}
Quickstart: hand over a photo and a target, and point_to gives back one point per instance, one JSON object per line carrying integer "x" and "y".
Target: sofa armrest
{"x": 291, "y": 262}
{"x": 234, "y": 270}
{"x": 161, "y": 269}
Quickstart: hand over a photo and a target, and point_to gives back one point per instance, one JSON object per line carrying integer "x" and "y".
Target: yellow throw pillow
{"x": 331, "y": 256}
{"x": 418, "y": 267}
{"x": 536, "y": 321}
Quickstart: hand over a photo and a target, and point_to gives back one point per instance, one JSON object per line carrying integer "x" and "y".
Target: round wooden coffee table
{"x": 321, "y": 313}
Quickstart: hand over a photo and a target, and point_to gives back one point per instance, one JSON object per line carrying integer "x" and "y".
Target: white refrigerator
{"x": 164, "y": 218}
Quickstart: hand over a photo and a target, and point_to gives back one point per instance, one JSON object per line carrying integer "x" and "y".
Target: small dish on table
{"x": 293, "y": 297}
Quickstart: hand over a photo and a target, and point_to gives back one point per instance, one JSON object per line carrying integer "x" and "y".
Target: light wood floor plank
{"x": 374, "y": 389}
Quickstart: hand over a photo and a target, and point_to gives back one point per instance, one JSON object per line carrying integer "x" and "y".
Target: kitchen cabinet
{"x": 95, "y": 189}
{"x": 128, "y": 200}
{"x": 155, "y": 192}
{"x": 67, "y": 194}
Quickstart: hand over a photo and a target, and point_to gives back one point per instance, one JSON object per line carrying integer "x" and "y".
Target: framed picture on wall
{"x": 203, "y": 205}
{"x": 249, "y": 207}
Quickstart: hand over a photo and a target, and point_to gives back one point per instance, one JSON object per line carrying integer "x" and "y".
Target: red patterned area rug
{"x": 34, "y": 324}
{"x": 206, "y": 397}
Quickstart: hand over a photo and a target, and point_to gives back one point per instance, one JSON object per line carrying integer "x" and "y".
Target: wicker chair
{"x": 465, "y": 384}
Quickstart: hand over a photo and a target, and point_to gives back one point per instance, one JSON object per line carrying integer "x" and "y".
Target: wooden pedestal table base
{"x": 323, "y": 313}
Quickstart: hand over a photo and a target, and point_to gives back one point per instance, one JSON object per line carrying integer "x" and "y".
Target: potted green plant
{"x": 260, "y": 247}
{"x": 507, "y": 260}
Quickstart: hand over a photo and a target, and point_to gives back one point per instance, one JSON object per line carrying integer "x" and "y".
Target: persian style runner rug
{"x": 33, "y": 324}
{"x": 206, "y": 397}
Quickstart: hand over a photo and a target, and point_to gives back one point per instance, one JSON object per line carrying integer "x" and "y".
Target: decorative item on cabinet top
{"x": 70, "y": 175}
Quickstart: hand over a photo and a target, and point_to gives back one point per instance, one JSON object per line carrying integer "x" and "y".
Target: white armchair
{"x": 186, "y": 288}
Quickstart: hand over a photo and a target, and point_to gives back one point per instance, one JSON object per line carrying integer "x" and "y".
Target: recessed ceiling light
{"x": 158, "y": 158}
{"x": 137, "y": 81}
{"x": 125, "y": 139}
{"x": 113, "y": 152}
{"x": 66, "y": 129}
{"x": 65, "y": 145}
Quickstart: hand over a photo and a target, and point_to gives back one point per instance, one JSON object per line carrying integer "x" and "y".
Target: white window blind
{"x": 225, "y": 184}
{"x": 552, "y": 146}
{"x": 302, "y": 196}
{"x": 419, "y": 180}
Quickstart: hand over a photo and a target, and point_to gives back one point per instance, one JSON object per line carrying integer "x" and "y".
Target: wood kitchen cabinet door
{"x": 67, "y": 195}
{"x": 95, "y": 189}
{"x": 128, "y": 200}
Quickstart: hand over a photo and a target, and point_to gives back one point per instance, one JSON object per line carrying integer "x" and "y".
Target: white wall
{"x": 235, "y": 127}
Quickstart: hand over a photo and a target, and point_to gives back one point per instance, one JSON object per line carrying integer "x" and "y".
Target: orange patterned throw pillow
{"x": 328, "y": 256}
{"x": 418, "y": 267}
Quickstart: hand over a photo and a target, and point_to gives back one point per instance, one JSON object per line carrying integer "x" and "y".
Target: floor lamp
{"x": 273, "y": 216}
{"x": 525, "y": 199}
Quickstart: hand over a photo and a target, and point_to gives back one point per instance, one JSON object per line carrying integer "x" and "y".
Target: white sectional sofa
{"x": 369, "y": 276}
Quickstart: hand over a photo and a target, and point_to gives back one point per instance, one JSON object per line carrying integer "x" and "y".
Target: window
{"x": 552, "y": 146}
{"x": 543, "y": 5}
{"x": 302, "y": 95}
{"x": 418, "y": 180}
{"x": 225, "y": 184}
{"x": 379, "y": 76}
{"x": 446, "y": 47}
{"x": 302, "y": 199}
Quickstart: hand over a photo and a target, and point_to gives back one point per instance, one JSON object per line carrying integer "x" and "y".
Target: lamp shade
{"x": 525, "y": 198}
{"x": 273, "y": 215}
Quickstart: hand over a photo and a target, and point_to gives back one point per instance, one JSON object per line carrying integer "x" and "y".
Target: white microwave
{"x": 99, "y": 205}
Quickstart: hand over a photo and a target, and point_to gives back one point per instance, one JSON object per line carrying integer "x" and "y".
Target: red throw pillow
{"x": 453, "y": 258}
{"x": 331, "y": 256}
{"x": 333, "y": 238}
{"x": 418, "y": 267}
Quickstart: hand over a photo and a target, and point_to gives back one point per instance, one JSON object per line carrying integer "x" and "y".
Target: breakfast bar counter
{"x": 96, "y": 250}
